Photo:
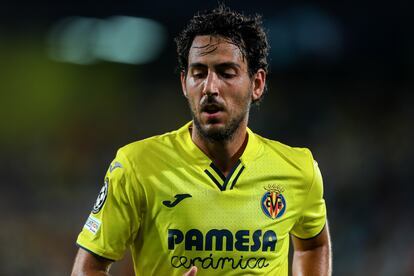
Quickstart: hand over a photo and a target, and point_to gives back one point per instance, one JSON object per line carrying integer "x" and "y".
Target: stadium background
{"x": 79, "y": 79}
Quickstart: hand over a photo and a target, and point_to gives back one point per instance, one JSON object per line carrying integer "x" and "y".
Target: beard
{"x": 221, "y": 134}
{"x": 225, "y": 133}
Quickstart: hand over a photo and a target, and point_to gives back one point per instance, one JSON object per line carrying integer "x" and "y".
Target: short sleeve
{"x": 313, "y": 218}
{"x": 115, "y": 218}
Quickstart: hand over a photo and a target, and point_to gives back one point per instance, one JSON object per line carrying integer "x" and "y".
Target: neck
{"x": 224, "y": 154}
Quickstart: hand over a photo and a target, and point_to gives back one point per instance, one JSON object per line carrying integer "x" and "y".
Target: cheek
{"x": 240, "y": 100}
{"x": 192, "y": 88}
{"x": 193, "y": 85}
{"x": 192, "y": 100}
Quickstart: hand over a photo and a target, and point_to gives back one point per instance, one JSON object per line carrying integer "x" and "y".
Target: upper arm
{"x": 312, "y": 256}
{"x": 313, "y": 213}
{"x": 87, "y": 263}
{"x": 320, "y": 240}
{"x": 113, "y": 223}
{"x": 310, "y": 234}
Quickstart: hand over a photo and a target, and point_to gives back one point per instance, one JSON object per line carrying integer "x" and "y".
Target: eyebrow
{"x": 224, "y": 64}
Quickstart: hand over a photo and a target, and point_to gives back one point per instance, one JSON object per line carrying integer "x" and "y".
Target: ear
{"x": 183, "y": 84}
{"x": 259, "y": 81}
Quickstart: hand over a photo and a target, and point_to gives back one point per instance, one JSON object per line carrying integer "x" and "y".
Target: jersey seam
{"x": 141, "y": 203}
{"x": 313, "y": 173}
{"x": 300, "y": 220}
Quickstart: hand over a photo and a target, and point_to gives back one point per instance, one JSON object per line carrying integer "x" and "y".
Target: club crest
{"x": 273, "y": 202}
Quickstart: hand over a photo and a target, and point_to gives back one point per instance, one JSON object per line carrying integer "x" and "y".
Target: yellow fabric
{"x": 171, "y": 206}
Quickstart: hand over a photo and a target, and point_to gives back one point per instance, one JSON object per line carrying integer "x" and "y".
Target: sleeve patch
{"x": 101, "y": 197}
{"x": 92, "y": 224}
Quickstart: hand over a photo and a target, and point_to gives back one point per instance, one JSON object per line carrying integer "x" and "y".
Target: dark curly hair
{"x": 246, "y": 32}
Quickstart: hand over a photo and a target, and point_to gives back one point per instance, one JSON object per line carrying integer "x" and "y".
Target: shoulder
{"x": 157, "y": 141}
{"x": 153, "y": 149}
{"x": 299, "y": 159}
{"x": 276, "y": 147}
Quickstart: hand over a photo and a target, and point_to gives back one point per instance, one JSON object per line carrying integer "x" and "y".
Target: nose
{"x": 211, "y": 84}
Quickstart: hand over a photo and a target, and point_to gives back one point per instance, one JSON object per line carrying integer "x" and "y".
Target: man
{"x": 211, "y": 198}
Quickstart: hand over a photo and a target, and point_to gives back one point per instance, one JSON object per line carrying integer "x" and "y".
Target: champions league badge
{"x": 273, "y": 202}
{"x": 101, "y": 197}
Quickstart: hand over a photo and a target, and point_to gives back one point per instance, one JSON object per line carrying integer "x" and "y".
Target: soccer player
{"x": 212, "y": 197}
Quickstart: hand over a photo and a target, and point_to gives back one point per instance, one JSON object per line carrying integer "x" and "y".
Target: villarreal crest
{"x": 273, "y": 202}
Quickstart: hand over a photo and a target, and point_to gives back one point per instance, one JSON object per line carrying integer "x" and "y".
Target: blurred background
{"x": 79, "y": 79}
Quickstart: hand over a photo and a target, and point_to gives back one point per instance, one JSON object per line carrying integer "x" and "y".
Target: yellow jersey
{"x": 171, "y": 206}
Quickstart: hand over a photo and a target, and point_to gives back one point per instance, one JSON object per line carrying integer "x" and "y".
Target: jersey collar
{"x": 253, "y": 147}
{"x": 250, "y": 153}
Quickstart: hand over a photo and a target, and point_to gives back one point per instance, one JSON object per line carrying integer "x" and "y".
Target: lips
{"x": 212, "y": 108}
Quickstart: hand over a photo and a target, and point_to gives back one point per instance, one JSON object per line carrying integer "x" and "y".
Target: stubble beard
{"x": 225, "y": 133}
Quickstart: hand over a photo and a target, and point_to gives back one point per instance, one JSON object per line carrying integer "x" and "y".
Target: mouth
{"x": 212, "y": 109}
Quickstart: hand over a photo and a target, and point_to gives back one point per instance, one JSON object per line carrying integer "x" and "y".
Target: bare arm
{"x": 313, "y": 256}
{"x": 87, "y": 264}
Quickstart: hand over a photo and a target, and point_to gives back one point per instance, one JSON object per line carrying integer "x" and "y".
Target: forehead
{"x": 214, "y": 49}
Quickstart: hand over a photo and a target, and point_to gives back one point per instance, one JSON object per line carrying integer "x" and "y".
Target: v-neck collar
{"x": 221, "y": 181}
{"x": 198, "y": 157}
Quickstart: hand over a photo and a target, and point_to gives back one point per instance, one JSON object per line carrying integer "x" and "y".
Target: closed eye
{"x": 228, "y": 70}
{"x": 228, "y": 75}
{"x": 198, "y": 75}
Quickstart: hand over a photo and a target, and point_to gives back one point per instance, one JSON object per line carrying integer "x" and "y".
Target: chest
{"x": 247, "y": 200}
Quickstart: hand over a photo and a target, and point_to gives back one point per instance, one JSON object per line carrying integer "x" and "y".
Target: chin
{"x": 216, "y": 132}
{"x": 217, "y": 129}
{"x": 214, "y": 128}
{"x": 214, "y": 125}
